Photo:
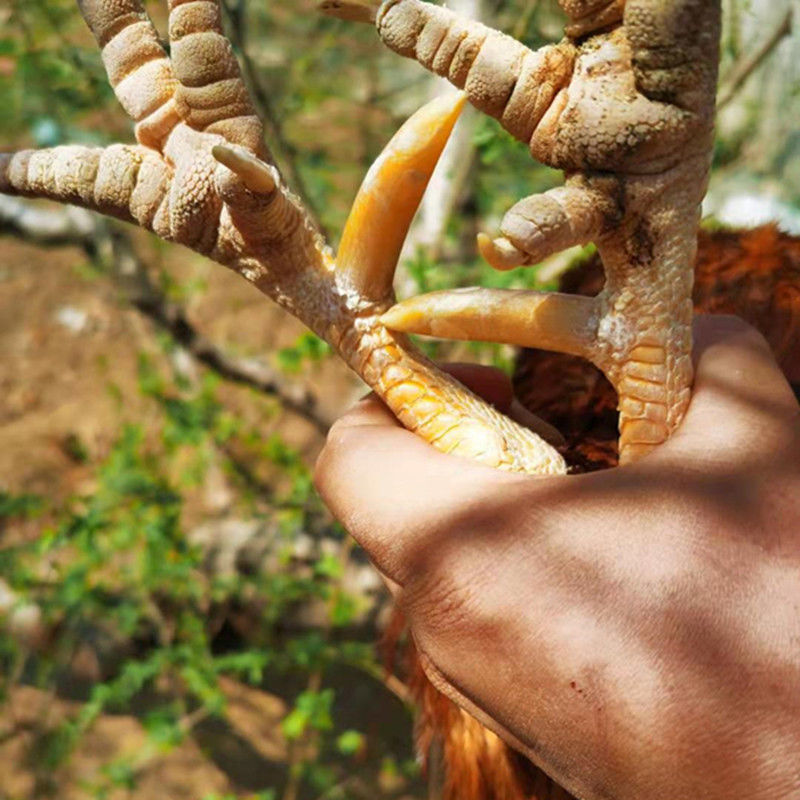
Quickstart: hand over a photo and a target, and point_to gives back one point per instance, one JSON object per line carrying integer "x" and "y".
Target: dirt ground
{"x": 234, "y": 758}
{"x": 67, "y": 338}
{"x": 70, "y": 347}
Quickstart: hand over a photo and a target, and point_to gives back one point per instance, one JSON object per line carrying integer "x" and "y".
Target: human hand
{"x": 634, "y": 632}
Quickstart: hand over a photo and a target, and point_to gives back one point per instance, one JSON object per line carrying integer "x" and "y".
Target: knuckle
{"x": 730, "y": 332}
{"x": 338, "y": 434}
{"x": 444, "y": 601}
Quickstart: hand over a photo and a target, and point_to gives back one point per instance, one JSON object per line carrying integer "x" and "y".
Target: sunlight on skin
{"x": 633, "y": 632}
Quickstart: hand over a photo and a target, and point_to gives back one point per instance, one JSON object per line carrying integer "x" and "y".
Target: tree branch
{"x": 744, "y": 68}
{"x": 112, "y": 251}
{"x": 283, "y": 150}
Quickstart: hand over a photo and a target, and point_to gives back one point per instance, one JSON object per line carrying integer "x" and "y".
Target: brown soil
{"x": 70, "y": 347}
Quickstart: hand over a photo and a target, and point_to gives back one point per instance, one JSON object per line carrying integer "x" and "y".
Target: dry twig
{"x": 108, "y": 246}
{"x": 744, "y": 68}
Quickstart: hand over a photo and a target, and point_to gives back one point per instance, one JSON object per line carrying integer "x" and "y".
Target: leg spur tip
{"x": 407, "y": 318}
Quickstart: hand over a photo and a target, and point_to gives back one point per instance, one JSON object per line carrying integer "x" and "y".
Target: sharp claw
{"x": 454, "y": 314}
{"x": 390, "y": 195}
{"x": 351, "y": 10}
{"x": 500, "y": 252}
{"x": 257, "y": 176}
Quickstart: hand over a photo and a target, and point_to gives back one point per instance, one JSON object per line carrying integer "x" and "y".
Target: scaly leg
{"x": 201, "y": 176}
{"x": 625, "y": 106}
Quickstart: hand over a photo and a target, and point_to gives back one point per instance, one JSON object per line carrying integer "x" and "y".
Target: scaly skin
{"x": 200, "y": 176}
{"x": 625, "y": 106}
{"x": 626, "y": 112}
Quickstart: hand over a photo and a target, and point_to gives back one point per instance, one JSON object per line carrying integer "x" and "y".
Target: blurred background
{"x": 179, "y": 616}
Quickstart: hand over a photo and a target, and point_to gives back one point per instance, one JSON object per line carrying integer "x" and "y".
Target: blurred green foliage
{"x": 115, "y": 566}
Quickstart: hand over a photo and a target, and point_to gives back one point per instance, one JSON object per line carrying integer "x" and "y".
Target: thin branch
{"x": 391, "y": 683}
{"x": 110, "y": 247}
{"x": 744, "y": 68}
{"x": 283, "y": 150}
{"x": 252, "y": 372}
{"x": 524, "y": 21}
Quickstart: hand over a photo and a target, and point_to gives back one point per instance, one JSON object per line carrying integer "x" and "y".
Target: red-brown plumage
{"x": 753, "y": 274}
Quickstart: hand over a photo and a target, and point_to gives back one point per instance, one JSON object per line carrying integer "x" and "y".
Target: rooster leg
{"x": 644, "y": 333}
{"x": 637, "y": 331}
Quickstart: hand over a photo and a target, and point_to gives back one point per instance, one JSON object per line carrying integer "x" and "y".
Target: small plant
{"x": 114, "y": 574}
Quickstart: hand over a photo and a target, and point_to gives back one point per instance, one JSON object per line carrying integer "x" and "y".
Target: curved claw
{"x": 389, "y": 197}
{"x": 500, "y": 253}
{"x": 257, "y": 176}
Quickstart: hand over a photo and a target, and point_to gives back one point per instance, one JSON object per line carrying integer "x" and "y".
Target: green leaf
{"x": 295, "y": 723}
{"x": 21, "y": 505}
{"x": 329, "y": 566}
{"x": 312, "y": 710}
{"x": 151, "y": 384}
{"x": 343, "y": 609}
{"x": 308, "y": 348}
{"x": 163, "y": 728}
{"x": 350, "y": 742}
{"x": 121, "y": 773}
